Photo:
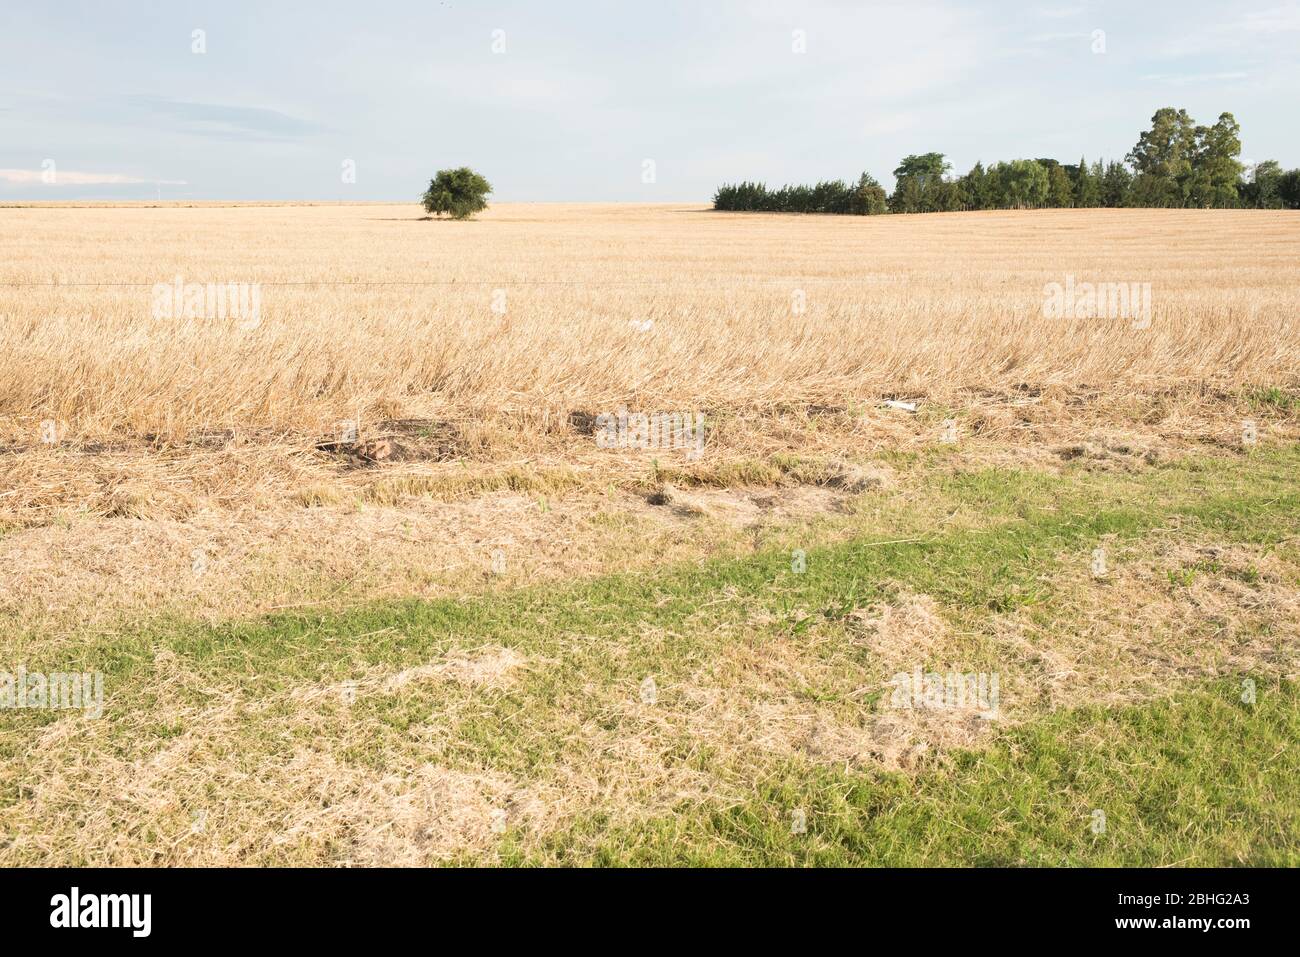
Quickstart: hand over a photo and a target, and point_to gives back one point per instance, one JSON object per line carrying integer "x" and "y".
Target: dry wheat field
{"x": 367, "y": 310}
{"x": 230, "y": 515}
{"x": 480, "y": 349}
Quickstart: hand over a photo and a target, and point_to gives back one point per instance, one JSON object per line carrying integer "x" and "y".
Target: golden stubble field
{"x": 544, "y": 307}
{"x": 134, "y": 441}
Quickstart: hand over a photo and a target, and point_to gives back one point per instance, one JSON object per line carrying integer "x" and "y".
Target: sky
{"x": 606, "y": 101}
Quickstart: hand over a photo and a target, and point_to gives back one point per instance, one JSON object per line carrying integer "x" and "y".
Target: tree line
{"x": 1175, "y": 164}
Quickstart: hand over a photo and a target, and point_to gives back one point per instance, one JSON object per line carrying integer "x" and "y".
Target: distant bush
{"x": 458, "y": 192}
{"x": 836, "y": 196}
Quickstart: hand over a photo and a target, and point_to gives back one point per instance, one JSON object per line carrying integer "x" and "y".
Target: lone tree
{"x": 459, "y": 192}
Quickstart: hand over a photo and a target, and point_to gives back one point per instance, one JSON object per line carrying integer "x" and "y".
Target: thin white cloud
{"x": 1061, "y": 13}
{"x": 883, "y": 124}
{"x": 223, "y": 119}
{"x": 1273, "y": 20}
{"x": 1248, "y": 29}
{"x": 1181, "y": 79}
{"x": 61, "y": 177}
{"x": 1054, "y": 37}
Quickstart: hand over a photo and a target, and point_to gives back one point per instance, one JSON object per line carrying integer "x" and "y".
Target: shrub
{"x": 458, "y": 192}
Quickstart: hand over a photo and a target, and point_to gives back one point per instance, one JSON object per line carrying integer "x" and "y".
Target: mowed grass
{"x": 1014, "y": 525}
{"x": 310, "y": 738}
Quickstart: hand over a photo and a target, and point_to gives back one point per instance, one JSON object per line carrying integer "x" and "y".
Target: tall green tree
{"x": 1116, "y": 185}
{"x": 1262, "y": 190}
{"x": 1162, "y": 159}
{"x": 923, "y": 165}
{"x": 868, "y": 197}
{"x": 1021, "y": 183}
{"x": 918, "y": 184}
{"x": 1288, "y": 189}
{"x": 1060, "y": 191}
{"x": 942, "y": 196}
{"x": 908, "y": 196}
{"x": 977, "y": 189}
{"x": 1087, "y": 186}
{"x": 1215, "y": 167}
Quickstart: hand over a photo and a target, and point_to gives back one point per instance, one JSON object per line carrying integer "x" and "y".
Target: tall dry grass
{"x": 919, "y": 305}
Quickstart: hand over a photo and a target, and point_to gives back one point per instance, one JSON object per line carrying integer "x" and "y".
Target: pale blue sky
{"x": 583, "y": 92}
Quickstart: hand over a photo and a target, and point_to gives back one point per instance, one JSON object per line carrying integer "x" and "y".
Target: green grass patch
{"x": 1204, "y": 779}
